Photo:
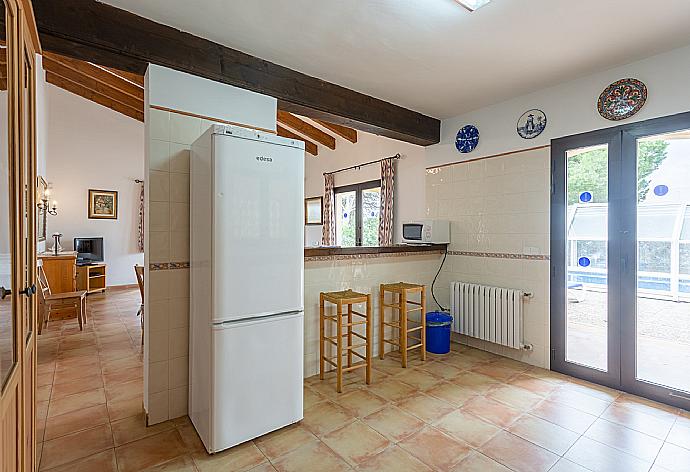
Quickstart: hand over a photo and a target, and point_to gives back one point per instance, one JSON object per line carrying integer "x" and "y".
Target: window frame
{"x": 359, "y": 215}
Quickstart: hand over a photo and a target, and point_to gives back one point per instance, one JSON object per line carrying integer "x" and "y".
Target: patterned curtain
{"x": 140, "y": 238}
{"x": 386, "y": 214}
{"x": 328, "y": 238}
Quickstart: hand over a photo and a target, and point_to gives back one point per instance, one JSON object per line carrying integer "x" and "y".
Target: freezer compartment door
{"x": 259, "y": 221}
{"x": 258, "y": 378}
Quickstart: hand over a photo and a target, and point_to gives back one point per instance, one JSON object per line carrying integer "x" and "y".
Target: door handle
{"x": 29, "y": 291}
{"x": 4, "y": 292}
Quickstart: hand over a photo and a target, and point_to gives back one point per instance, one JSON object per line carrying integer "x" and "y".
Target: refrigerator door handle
{"x": 257, "y": 319}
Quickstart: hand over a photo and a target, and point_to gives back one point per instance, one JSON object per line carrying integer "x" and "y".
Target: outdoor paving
{"x": 663, "y": 337}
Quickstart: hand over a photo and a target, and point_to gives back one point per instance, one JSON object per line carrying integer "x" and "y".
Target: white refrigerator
{"x": 246, "y": 284}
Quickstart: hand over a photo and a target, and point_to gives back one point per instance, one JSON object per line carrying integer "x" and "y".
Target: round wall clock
{"x": 622, "y": 99}
{"x": 467, "y": 139}
{"x": 531, "y": 123}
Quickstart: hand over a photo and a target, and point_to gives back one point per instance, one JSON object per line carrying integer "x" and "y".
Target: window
{"x": 357, "y": 210}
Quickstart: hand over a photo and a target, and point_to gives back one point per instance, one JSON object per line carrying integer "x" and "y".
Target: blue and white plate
{"x": 467, "y": 139}
{"x": 531, "y": 124}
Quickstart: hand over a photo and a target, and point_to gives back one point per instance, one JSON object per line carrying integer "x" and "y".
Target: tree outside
{"x": 346, "y": 218}
{"x": 588, "y": 171}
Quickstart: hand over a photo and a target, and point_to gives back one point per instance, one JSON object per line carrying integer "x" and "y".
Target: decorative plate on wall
{"x": 622, "y": 99}
{"x": 531, "y": 123}
{"x": 467, "y": 139}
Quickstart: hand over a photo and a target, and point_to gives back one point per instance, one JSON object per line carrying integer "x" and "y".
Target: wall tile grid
{"x": 499, "y": 214}
{"x": 170, "y": 136}
{"x": 364, "y": 276}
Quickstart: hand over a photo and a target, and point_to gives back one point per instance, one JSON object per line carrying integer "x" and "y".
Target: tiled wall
{"x": 499, "y": 213}
{"x": 361, "y": 275}
{"x": 167, "y": 253}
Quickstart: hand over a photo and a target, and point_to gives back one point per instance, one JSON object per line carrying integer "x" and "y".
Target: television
{"x": 89, "y": 250}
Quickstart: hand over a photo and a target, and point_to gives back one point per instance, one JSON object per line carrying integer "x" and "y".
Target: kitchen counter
{"x": 361, "y": 252}
{"x": 363, "y": 269}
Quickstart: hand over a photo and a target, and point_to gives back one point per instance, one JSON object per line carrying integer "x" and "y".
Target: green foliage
{"x": 346, "y": 228}
{"x": 652, "y": 154}
{"x": 588, "y": 171}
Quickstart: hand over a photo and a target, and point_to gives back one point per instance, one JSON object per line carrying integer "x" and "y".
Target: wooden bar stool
{"x": 402, "y": 291}
{"x": 346, "y": 298}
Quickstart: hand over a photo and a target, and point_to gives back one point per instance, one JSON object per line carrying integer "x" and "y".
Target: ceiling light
{"x": 473, "y": 5}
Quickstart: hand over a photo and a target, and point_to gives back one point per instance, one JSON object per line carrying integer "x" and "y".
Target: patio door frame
{"x": 622, "y": 257}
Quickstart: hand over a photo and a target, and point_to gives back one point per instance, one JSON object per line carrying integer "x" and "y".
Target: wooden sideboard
{"x": 60, "y": 270}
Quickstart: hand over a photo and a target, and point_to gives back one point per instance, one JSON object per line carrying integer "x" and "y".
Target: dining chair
{"x": 139, "y": 271}
{"x": 49, "y": 302}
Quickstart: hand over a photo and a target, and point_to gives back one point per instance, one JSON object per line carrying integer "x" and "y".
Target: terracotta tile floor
{"x": 465, "y": 411}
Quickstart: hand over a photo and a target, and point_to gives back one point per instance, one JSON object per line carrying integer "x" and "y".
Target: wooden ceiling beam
{"x": 342, "y": 131}
{"x": 310, "y": 147}
{"x": 306, "y": 129}
{"x": 88, "y": 82}
{"x": 93, "y": 96}
{"x": 131, "y": 76}
{"x": 97, "y": 73}
{"x": 102, "y": 34}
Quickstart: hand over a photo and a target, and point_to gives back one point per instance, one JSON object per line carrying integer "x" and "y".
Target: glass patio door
{"x": 585, "y": 283}
{"x": 620, "y": 286}
{"x": 656, "y": 286}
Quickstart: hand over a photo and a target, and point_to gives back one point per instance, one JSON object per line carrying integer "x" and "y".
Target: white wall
{"x": 409, "y": 184}
{"x": 570, "y": 108}
{"x": 92, "y": 147}
{"x": 501, "y": 205}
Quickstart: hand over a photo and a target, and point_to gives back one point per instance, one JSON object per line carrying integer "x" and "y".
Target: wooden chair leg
{"x": 322, "y": 314}
{"x": 349, "y": 335}
{"x": 339, "y": 348}
{"x": 382, "y": 327}
{"x": 85, "y": 308}
{"x": 41, "y": 317}
{"x": 369, "y": 338}
{"x": 423, "y": 336}
{"x": 403, "y": 327}
{"x": 398, "y": 297}
{"x": 78, "y": 309}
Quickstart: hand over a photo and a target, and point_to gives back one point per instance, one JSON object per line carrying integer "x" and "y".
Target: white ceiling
{"x": 434, "y": 56}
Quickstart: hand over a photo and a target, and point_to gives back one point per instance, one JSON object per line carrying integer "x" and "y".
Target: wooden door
{"x": 18, "y": 44}
{"x": 11, "y": 413}
{"x": 28, "y": 186}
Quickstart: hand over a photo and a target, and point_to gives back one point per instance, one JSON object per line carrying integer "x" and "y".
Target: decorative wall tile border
{"x": 501, "y": 255}
{"x": 351, "y": 257}
{"x": 168, "y": 265}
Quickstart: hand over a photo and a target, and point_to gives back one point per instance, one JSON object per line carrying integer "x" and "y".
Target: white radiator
{"x": 493, "y": 314}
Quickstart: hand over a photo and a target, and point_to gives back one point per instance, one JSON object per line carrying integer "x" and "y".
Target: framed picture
{"x": 103, "y": 204}
{"x": 41, "y": 215}
{"x": 313, "y": 211}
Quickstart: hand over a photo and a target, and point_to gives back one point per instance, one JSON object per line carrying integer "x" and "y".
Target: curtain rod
{"x": 397, "y": 156}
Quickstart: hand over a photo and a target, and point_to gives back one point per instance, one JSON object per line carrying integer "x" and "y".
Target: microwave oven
{"x": 426, "y": 232}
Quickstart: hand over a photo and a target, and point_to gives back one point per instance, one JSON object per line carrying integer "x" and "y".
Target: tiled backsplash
{"x": 361, "y": 275}
{"x": 499, "y": 214}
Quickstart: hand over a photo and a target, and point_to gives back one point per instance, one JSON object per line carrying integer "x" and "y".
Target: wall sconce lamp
{"x": 44, "y": 207}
